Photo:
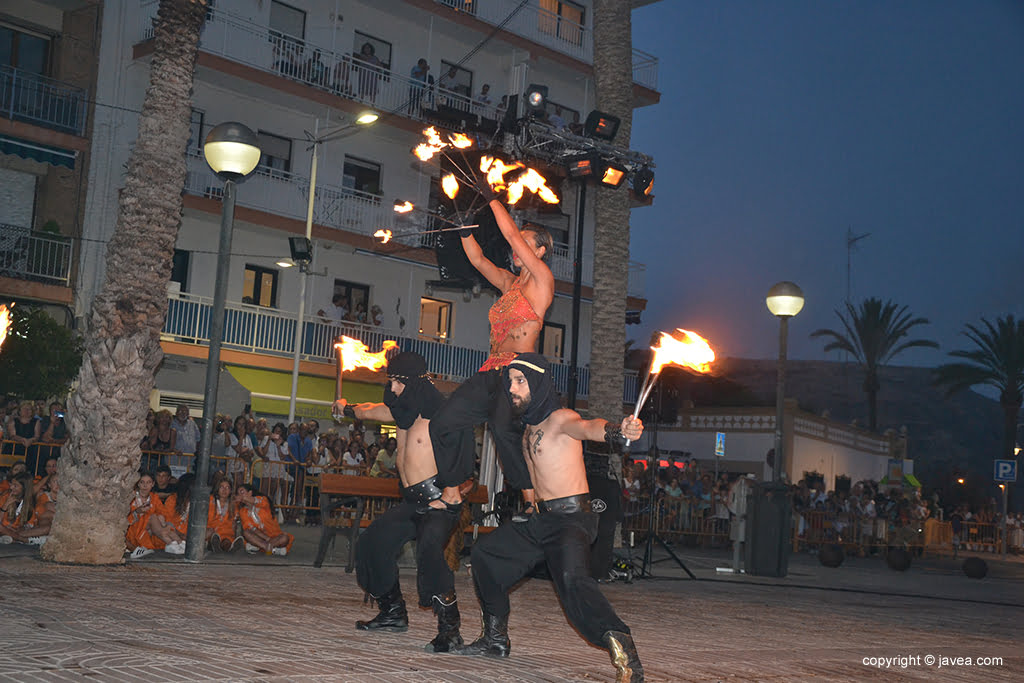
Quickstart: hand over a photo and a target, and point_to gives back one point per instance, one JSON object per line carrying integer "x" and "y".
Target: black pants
{"x": 609, "y": 491}
{"x": 507, "y": 554}
{"x": 378, "y": 548}
{"x": 481, "y": 398}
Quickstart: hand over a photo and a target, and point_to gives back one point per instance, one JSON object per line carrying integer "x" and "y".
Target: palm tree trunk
{"x": 106, "y": 413}
{"x": 1010, "y": 412}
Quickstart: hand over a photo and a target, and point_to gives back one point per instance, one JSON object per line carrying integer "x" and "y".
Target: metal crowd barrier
{"x": 34, "y": 457}
{"x": 688, "y": 519}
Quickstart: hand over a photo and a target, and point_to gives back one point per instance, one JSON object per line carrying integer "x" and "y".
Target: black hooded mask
{"x": 544, "y": 398}
{"x": 420, "y": 397}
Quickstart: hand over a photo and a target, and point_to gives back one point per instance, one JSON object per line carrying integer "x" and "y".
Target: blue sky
{"x": 783, "y": 124}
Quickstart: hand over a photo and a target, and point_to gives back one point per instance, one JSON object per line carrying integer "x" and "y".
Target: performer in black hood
{"x": 561, "y": 531}
{"x": 410, "y": 400}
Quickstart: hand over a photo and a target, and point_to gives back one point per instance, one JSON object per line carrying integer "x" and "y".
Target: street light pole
{"x": 784, "y": 300}
{"x": 232, "y": 151}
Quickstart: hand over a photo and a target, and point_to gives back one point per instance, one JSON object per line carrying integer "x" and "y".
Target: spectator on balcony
{"x": 24, "y": 431}
{"x": 342, "y": 72}
{"x": 421, "y": 81}
{"x": 576, "y": 128}
{"x": 259, "y": 527}
{"x": 54, "y": 431}
{"x": 337, "y": 312}
{"x": 376, "y": 315}
{"x": 186, "y": 431}
{"x": 358, "y": 315}
{"x": 448, "y": 88}
{"x": 369, "y": 68}
{"x": 556, "y": 120}
{"x": 314, "y": 70}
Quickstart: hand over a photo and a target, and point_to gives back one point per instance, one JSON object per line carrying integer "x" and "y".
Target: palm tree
{"x": 874, "y": 334}
{"x": 122, "y": 341}
{"x": 998, "y": 361}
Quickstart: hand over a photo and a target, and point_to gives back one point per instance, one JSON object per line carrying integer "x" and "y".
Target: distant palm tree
{"x": 998, "y": 361}
{"x": 874, "y": 334}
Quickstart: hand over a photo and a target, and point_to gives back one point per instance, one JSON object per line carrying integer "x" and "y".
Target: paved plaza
{"x": 242, "y": 618}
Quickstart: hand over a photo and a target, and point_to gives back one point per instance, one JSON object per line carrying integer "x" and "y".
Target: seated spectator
{"x": 259, "y": 528}
{"x": 16, "y": 469}
{"x": 145, "y": 502}
{"x": 186, "y": 431}
{"x": 221, "y": 518}
{"x": 37, "y": 530}
{"x": 165, "y": 483}
{"x": 49, "y": 471}
{"x": 170, "y": 523}
{"x": 17, "y": 508}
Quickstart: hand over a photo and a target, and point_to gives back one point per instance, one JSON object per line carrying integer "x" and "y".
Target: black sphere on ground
{"x": 831, "y": 555}
{"x": 898, "y": 559}
{"x": 975, "y": 567}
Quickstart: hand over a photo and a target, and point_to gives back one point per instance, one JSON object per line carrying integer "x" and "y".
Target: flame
{"x": 384, "y": 235}
{"x": 354, "y": 354}
{"x": 450, "y": 185}
{"x": 460, "y": 141}
{"x": 5, "y": 321}
{"x": 536, "y": 183}
{"x": 496, "y": 170}
{"x": 404, "y": 207}
{"x": 692, "y": 351}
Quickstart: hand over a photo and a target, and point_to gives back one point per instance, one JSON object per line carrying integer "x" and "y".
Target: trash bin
{"x": 769, "y": 526}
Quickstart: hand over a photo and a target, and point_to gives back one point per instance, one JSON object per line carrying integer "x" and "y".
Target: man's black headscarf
{"x": 544, "y": 398}
{"x": 420, "y": 397}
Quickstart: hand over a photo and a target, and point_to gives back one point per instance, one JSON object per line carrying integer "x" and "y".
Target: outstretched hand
{"x": 341, "y": 409}
{"x": 632, "y": 427}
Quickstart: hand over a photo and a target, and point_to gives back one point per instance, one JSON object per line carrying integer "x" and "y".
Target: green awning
{"x": 271, "y": 392}
{"x": 55, "y": 156}
{"x": 912, "y": 480}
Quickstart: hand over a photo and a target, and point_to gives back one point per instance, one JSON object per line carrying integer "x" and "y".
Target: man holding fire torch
{"x": 410, "y": 400}
{"x": 562, "y": 529}
{"x": 516, "y": 319}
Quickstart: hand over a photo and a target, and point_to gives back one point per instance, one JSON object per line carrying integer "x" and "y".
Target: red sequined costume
{"x": 509, "y": 312}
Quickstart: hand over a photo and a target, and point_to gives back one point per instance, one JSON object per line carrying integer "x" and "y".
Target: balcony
{"x": 42, "y": 101}
{"x": 268, "y": 331}
{"x": 27, "y": 255}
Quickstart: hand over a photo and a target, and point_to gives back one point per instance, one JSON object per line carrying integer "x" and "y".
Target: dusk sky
{"x": 783, "y": 124}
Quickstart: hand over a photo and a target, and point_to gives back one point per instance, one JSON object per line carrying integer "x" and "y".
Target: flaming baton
{"x": 352, "y": 353}
{"x": 692, "y": 351}
{"x": 5, "y": 321}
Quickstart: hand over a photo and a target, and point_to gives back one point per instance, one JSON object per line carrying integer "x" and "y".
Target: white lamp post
{"x": 784, "y": 300}
{"x": 232, "y": 151}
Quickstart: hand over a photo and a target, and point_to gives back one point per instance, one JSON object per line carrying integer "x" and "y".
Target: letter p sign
{"x": 1005, "y": 470}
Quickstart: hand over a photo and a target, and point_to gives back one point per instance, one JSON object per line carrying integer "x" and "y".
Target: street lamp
{"x": 784, "y": 300}
{"x": 364, "y": 119}
{"x": 232, "y": 151}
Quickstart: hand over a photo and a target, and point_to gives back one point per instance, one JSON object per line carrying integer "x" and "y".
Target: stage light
{"x": 581, "y": 166}
{"x": 643, "y": 182}
{"x": 613, "y": 175}
{"x": 536, "y": 99}
{"x": 301, "y": 248}
{"x": 601, "y": 126}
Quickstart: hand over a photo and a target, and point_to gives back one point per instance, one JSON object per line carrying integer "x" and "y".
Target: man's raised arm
{"x": 602, "y": 430}
{"x": 378, "y": 412}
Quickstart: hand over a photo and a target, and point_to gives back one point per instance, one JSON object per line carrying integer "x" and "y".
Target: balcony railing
{"x": 264, "y": 330}
{"x": 36, "y": 99}
{"x": 26, "y": 255}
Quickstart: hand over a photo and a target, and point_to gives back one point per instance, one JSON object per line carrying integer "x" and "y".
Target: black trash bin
{"x": 769, "y": 529}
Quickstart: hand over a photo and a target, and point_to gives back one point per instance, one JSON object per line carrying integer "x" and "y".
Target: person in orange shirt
{"x": 17, "y": 508}
{"x": 145, "y": 502}
{"x": 259, "y": 528}
{"x": 220, "y": 523}
{"x": 37, "y": 530}
{"x": 170, "y": 522}
{"x": 16, "y": 469}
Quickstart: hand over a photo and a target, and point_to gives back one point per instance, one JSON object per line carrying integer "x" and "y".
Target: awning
{"x": 55, "y": 156}
{"x": 272, "y": 390}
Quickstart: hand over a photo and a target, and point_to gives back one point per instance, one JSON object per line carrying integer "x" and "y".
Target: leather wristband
{"x": 466, "y": 232}
{"x": 613, "y": 436}
{"x": 349, "y": 411}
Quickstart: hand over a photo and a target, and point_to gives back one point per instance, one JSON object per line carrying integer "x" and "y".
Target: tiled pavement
{"x": 265, "y": 619}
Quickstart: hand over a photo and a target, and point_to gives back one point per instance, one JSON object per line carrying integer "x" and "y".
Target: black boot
{"x": 624, "y": 657}
{"x": 493, "y": 641}
{"x": 392, "y": 616}
{"x": 448, "y": 638}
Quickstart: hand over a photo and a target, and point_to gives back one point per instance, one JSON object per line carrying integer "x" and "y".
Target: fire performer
{"x": 410, "y": 400}
{"x": 516, "y": 319}
{"x": 562, "y": 530}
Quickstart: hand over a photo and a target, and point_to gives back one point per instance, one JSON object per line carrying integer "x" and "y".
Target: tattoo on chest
{"x": 532, "y": 439}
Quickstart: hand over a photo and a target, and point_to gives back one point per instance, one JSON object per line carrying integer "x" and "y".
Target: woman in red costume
{"x": 517, "y": 319}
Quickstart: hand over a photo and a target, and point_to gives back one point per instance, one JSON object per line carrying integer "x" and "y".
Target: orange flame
{"x": 692, "y": 351}
{"x": 384, "y": 235}
{"x": 450, "y": 185}
{"x": 460, "y": 141}
{"x": 496, "y": 169}
{"x": 536, "y": 183}
{"x": 5, "y": 321}
{"x": 403, "y": 207}
{"x": 354, "y": 354}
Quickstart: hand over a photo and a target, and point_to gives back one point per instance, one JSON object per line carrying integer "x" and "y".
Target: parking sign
{"x": 720, "y": 444}
{"x": 1006, "y": 470}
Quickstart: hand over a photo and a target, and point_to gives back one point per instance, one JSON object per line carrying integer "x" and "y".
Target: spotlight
{"x": 536, "y": 98}
{"x": 301, "y": 248}
{"x": 643, "y": 182}
{"x": 613, "y": 175}
{"x": 601, "y": 126}
{"x": 582, "y": 166}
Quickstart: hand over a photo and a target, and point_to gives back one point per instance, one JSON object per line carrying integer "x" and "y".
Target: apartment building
{"x": 302, "y": 70}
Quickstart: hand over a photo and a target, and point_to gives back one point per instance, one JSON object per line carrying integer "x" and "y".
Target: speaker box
{"x": 831, "y": 555}
{"x": 975, "y": 567}
{"x": 898, "y": 559}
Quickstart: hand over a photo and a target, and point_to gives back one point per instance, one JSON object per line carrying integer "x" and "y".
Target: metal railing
{"x": 31, "y": 97}
{"x": 28, "y": 255}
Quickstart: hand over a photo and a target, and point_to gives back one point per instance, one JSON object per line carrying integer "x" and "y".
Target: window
{"x": 381, "y": 48}
{"x": 276, "y": 157}
{"x": 552, "y": 341}
{"x": 562, "y": 19}
{"x": 455, "y": 79}
{"x": 260, "y": 286}
{"x": 435, "y": 319}
{"x": 355, "y": 298}
{"x": 195, "y": 133}
{"x": 287, "y": 20}
{"x": 25, "y": 51}
{"x": 179, "y": 269}
{"x": 361, "y": 175}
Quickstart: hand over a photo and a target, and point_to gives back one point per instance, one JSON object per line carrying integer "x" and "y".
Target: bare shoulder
{"x": 562, "y": 417}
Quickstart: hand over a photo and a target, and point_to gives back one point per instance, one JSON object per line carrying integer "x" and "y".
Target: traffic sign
{"x": 720, "y": 444}
{"x": 1006, "y": 470}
